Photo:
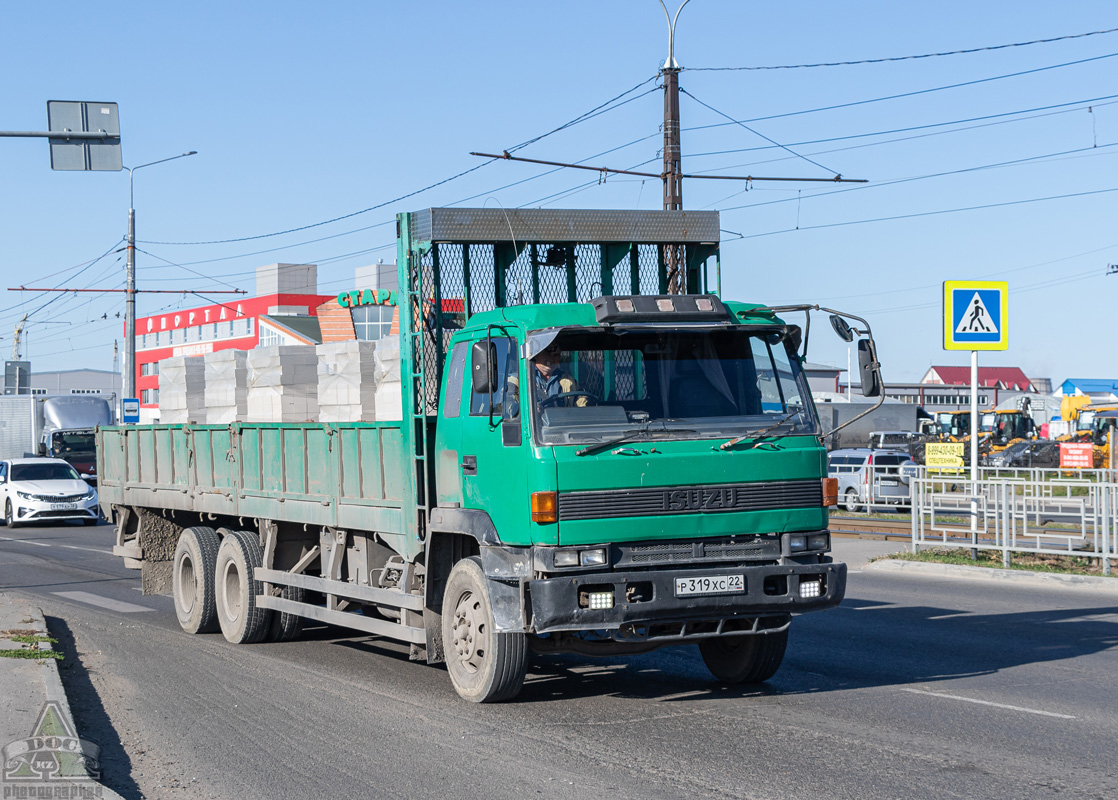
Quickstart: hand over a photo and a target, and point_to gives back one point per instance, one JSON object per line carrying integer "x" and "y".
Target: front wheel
{"x": 850, "y": 501}
{"x": 744, "y": 659}
{"x": 485, "y": 666}
{"x": 9, "y": 517}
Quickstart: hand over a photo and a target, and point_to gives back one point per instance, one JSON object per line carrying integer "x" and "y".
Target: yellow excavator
{"x": 1095, "y": 423}
{"x": 1008, "y": 427}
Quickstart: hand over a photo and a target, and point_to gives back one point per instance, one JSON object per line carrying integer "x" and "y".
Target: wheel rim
{"x": 8, "y": 515}
{"x": 469, "y": 632}
{"x": 231, "y": 580}
{"x": 187, "y": 586}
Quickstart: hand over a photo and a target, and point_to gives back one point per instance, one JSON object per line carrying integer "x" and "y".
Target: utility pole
{"x": 673, "y": 172}
{"x": 128, "y": 387}
{"x": 17, "y": 339}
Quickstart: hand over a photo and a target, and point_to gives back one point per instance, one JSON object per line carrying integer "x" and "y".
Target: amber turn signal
{"x": 830, "y": 491}
{"x": 545, "y": 506}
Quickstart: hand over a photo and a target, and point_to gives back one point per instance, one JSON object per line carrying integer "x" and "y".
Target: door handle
{"x": 469, "y": 465}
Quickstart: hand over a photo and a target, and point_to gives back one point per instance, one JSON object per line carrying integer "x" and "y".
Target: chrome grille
{"x": 55, "y": 498}
{"x": 671, "y": 500}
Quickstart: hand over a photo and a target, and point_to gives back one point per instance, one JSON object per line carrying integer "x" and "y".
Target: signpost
{"x": 1077, "y": 455}
{"x": 975, "y": 317}
{"x": 130, "y": 410}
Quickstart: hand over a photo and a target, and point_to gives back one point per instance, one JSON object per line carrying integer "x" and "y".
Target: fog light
{"x": 797, "y": 543}
{"x": 566, "y": 558}
{"x": 593, "y": 558}
{"x": 599, "y": 600}
{"x": 811, "y": 588}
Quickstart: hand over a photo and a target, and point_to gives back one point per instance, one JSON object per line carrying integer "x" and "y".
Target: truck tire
{"x": 192, "y": 579}
{"x": 485, "y": 666}
{"x": 744, "y": 659}
{"x": 850, "y": 500}
{"x": 241, "y": 620}
{"x": 9, "y": 516}
{"x": 287, "y": 627}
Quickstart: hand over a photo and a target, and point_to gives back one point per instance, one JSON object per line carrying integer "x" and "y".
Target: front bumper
{"x": 643, "y": 598}
{"x": 44, "y": 511}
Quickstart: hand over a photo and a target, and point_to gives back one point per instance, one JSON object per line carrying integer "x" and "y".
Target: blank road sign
{"x": 975, "y": 315}
{"x": 84, "y": 154}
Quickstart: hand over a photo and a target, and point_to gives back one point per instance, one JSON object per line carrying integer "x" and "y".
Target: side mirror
{"x": 842, "y": 328}
{"x": 869, "y": 368}
{"x": 483, "y": 367}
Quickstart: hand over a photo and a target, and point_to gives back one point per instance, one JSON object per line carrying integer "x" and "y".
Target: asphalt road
{"x": 915, "y": 687}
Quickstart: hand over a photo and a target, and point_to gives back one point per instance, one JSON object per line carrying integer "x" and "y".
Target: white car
{"x": 45, "y": 490}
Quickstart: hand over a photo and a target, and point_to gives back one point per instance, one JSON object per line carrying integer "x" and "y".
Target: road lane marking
{"x": 87, "y": 549}
{"x": 988, "y": 703}
{"x": 25, "y": 541}
{"x": 102, "y": 602}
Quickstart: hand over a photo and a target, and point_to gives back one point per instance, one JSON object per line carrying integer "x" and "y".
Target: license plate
{"x": 710, "y": 584}
{"x": 62, "y": 506}
{"x": 889, "y": 481}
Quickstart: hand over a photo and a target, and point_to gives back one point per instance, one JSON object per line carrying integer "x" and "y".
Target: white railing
{"x": 1046, "y": 511}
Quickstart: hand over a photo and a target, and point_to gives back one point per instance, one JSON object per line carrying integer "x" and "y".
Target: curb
{"x": 52, "y": 682}
{"x": 1051, "y": 580}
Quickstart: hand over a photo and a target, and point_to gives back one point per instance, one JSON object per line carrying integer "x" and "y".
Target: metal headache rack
{"x": 457, "y": 262}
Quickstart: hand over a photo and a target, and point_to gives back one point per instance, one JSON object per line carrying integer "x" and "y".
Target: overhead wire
{"x": 987, "y": 48}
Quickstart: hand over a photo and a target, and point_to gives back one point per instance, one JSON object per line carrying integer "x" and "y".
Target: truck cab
{"x": 596, "y": 440}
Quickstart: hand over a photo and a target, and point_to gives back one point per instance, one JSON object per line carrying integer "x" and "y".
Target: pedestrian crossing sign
{"x": 975, "y": 315}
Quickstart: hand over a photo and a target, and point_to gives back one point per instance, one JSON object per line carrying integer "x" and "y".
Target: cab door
{"x": 492, "y": 449}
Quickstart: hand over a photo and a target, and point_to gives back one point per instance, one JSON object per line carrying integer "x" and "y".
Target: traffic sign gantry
{"x": 975, "y": 315}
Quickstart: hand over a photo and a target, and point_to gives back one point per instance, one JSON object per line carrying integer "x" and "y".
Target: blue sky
{"x": 309, "y": 112}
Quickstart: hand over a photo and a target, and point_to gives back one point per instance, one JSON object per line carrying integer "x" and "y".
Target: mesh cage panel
{"x": 457, "y": 281}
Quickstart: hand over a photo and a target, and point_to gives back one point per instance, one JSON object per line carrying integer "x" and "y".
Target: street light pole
{"x": 673, "y": 178}
{"x": 129, "y": 383}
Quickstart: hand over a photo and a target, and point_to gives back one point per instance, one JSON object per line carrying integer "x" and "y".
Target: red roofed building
{"x": 1006, "y": 378}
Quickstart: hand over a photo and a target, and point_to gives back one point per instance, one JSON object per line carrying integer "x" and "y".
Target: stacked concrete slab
{"x": 182, "y": 390}
{"x": 226, "y": 386}
{"x": 347, "y": 381}
{"x": 387, "y": 376}
{"x": 283, "y": 384}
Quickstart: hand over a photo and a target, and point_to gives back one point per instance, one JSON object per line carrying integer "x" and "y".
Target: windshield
{"x": 49, "y": 471}
{"x": 597, "y": 385}
{"x": 1086, "y": 418}
{"x": 73, "y": 444}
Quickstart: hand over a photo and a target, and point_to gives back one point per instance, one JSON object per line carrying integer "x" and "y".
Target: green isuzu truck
{"x": 597, "y": 455}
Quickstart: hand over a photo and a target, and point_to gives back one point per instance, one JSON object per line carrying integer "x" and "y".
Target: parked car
{"x": 870, "y": 477}
{"x": 45, "y": 490}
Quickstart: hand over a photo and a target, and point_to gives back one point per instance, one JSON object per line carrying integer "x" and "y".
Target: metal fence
{"x": 1017, "y": 511}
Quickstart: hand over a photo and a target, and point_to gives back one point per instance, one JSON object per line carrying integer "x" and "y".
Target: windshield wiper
{"x": 632, "y": 436}
{"x": 758, "y": 434}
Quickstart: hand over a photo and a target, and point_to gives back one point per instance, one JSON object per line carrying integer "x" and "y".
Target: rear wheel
{"x": 192, "y": 579}
{"x": 241, "y": 620}
{"x": 485, "y": 666}
{"x": 287, "y": 627}
{"x": 744, "y": 659}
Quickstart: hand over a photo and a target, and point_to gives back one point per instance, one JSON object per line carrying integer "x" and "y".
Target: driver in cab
{"x": 551, "y": 379}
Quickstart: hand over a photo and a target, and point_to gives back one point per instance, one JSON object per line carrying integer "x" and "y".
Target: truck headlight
{"x": 797, "y": 542}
